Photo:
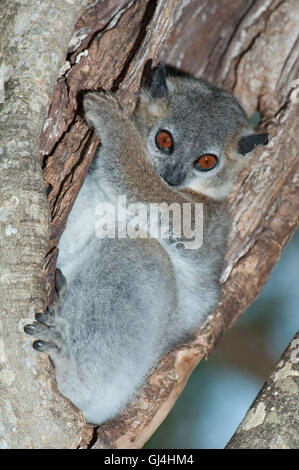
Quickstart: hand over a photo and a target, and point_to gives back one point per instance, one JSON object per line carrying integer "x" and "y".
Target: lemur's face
{"x": 198, "y": 136}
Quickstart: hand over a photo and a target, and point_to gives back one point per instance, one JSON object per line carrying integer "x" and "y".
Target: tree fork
{"x": 252, "y": 53}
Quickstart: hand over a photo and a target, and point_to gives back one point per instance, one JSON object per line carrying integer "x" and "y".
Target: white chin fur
{"x": 211, "y": 191}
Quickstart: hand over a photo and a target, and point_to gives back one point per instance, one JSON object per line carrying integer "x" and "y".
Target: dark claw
{"x": 40, "y": 345}
{"x": 39, "y": 317}
{"x": 29, "y": 329}
{"x": 60, "y": 282}
{"x": 45, "y": 318}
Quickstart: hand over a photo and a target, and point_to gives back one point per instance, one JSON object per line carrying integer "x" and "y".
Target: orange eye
{"x": 164, "y": 141}
{"x": 206, "y": 162}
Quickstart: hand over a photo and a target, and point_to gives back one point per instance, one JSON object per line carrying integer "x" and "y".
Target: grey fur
{"x": 128, "y": 300}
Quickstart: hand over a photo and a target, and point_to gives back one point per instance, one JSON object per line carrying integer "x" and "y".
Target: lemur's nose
{"x": 174, "y": 176}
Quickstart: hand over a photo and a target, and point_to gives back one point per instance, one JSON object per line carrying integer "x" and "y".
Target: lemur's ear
{"x": 158, "y": 86}
{"x": 249, "y": 142}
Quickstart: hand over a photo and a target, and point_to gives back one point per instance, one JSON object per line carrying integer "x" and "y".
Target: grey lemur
{"x": 129, "y": 298}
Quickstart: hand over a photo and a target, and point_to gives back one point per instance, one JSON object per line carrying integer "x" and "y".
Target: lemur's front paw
{"x": 104, "y": 99}
{"x": 49, "y": 340}
{"x": 100, "y": 108}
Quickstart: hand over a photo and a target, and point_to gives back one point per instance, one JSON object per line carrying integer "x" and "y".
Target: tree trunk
{"x": 272, "y": 421}
{"x": 33, "y": 41}
{"x": 247, "y": 47}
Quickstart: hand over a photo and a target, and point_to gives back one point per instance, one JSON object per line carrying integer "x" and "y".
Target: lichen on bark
{"x": 272, "y": 421}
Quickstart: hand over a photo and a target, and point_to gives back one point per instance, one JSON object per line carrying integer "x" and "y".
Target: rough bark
{"x": 272, "y": 421}
{"x": 233, "y": 44}
{"x": 33, "y": 40}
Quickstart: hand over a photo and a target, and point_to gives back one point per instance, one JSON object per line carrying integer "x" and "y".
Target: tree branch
{"x": 33, "y": 40}
{"x": 272, "y": 421}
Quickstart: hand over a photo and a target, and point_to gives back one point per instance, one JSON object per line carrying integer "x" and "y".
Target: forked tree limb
{"x": 250, "y": 49}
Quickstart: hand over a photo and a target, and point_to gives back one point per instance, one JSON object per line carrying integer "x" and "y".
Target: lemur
{"x": 128, "y": 299}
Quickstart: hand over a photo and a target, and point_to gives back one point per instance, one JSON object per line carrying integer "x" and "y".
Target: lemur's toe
{"x": 41, "y": 346}
{"x": 46, "y": 318}
{"x": 40, "y": 317}
{"x": 49, "y": 338}
{"x": 60, "y": 282}
{"x": 36, "y": 328}
{"x": 29, "y": 329}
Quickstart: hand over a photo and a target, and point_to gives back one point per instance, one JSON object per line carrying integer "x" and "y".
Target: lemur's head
{"x": 198, "y": 135}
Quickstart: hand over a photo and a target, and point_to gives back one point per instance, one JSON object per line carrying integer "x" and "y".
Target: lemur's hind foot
{"x": 50, "y": 339}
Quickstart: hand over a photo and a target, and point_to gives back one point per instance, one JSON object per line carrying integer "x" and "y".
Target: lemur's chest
{"x": 74, "y": 245}
{"x": 100, "y": 206}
